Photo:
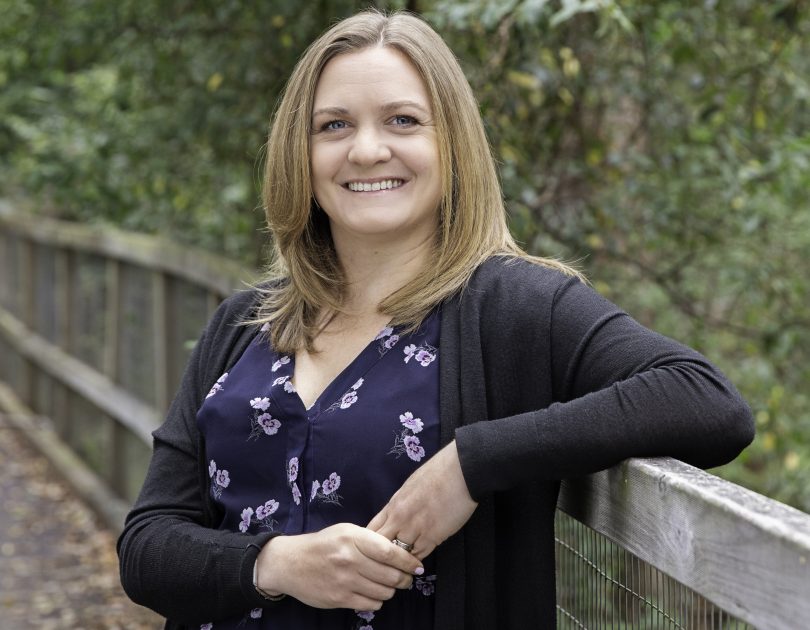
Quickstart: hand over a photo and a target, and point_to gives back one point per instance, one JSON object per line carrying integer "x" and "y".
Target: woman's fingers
{"x": 378, "y": 522}
{"x": 342, "y": 566}
{"x": 431, "y": 505}
{"x": 380, "y": 549}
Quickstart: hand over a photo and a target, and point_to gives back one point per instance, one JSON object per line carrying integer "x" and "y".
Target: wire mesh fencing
{"x": 601, "y": 586}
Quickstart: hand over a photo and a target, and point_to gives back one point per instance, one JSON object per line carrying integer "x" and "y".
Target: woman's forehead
{"x": 381, "y": 74}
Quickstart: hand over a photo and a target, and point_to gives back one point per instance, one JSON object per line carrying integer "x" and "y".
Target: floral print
{"x": 413, "y": 448}
{"x": 406, "y": 441}
{"x": 424, "y": 355}
{"x": 302, "y": 469}
{"x": 387, "y": 340}
{"x": 260, "y": 403}
{"x": 409, "y": 422}
{"x": 217, "y": 386}
{"x": 327, "y": 492}
{"x": 364, "y": 623}
{"x": 286, "y": 382}
{"x": 349, "y": 398}
{"x": 262, "y": 422}
{"x": 247, "y": 513}
{"x": 292, "y": 476}
{"x": 264, "y": 514}
{"x": 221, "y": 479}
{"x": 385, "y": 332}
{"x": 425, "y": 585}
{"x": 292, "y": 470}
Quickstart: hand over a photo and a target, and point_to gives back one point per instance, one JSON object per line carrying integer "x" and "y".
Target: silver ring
{"x": 407, "y": 547}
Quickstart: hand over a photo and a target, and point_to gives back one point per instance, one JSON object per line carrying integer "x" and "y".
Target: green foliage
{"x": 665, "y": 145}
{"x": 149, "y": 114}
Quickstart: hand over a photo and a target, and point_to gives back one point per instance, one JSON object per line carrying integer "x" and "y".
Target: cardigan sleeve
{"x": 619, "y": 391}
{"x": 172, "y": 559}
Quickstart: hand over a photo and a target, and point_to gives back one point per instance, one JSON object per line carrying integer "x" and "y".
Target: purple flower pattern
{"x": 247, "y": 515}
{"x": 260, "y": 403}
{"x": 425, "y": 585}
{"x": 217, "y": 387}
{"x": 264, "y": 516}
{"x": 364, "y": 623}
{"x": 262, "y": 422}
{"x": 286, "y": 382}
{"x": 424, "y": 355}
{"x": 327, "y": 493}
{"x": 281, "y": 361}
{"x": 292, "y": 476}
{"x": 387, "y": 340}
{"x": 220, "y": 478}
{"x": 406, "y": 441}
{"x": 385, "y": 332}
{"x": 349, "y": 398}
{"x": 413, "y": 448}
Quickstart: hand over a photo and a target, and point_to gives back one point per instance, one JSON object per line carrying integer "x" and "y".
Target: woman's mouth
{"x": 383, "y": 184}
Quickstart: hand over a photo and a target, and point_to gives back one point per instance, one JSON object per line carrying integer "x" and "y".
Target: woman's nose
{"x": 369, "y": 147}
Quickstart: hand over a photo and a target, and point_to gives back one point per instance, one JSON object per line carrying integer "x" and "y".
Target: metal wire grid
{"x": 600, "y": 585}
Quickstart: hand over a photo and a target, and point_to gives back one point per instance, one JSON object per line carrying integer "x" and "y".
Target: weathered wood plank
{"x": 746, "y": 553}
{"x": 113, "y": 400}
{"x": 160, "y": 341}
{"x": 201, "y": 268}
{"x": 112, "y": 318}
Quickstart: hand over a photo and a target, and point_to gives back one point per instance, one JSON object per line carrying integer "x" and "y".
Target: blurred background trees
{"x": 664, "y": 146}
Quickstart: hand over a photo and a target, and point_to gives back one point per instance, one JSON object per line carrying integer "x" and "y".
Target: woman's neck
{"x": 374, "y": 271}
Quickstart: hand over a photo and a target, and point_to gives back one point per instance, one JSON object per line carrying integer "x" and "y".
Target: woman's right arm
{"x": 172, "y": 560}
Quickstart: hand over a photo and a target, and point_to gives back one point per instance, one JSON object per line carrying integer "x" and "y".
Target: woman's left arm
{"x": 623, "y": 390}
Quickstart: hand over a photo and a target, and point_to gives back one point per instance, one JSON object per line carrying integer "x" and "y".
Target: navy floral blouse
{"x": 276, "y": 466}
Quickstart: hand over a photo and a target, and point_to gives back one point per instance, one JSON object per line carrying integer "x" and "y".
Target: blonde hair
{"x": 472, "y": 219}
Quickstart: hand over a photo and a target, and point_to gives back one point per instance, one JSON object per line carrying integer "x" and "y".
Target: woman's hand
{"x": 432, "y": 505}
{"x": 342, "y": 566}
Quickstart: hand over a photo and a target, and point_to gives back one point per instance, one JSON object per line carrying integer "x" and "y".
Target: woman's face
{"x": 373, "y": 151}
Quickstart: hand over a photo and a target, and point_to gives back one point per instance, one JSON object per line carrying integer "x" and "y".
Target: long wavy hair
{"x": 305, "y": 274}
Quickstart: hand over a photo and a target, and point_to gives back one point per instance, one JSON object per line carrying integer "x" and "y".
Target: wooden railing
{"x": 95, "y": 328}
{"x": 96, "y": 325}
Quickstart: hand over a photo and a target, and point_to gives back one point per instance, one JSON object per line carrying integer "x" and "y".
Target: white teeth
{"x": 386, "y": 184}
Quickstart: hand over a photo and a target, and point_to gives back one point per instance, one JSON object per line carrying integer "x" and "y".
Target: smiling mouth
{"x": 385, "y": 184}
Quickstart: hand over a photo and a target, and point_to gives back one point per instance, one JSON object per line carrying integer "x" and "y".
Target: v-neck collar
{"x": 348, "y": 380}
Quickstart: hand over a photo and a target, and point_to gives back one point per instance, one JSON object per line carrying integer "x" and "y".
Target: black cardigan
{"x": 541, "y": 379}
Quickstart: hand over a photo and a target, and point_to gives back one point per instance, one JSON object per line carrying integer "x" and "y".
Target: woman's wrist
{"x": 263, "y": 586}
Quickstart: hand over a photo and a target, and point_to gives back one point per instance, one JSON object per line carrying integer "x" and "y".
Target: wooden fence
{"x": 96, "y": 326}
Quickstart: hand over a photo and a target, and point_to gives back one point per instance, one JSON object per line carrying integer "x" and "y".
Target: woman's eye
{"x": 334, "y": 125}
{"x": 404, "y": 121}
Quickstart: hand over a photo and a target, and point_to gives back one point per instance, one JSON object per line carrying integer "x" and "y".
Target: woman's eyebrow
{"x": 400, "y": 104}
{"x": 387, "y": 107}
{"x": 331, "y": 111}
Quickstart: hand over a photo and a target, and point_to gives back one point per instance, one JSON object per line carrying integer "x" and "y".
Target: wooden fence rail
{"x": 96, "y": 326}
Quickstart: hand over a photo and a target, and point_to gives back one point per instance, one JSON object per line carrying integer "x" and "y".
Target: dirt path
{"x": 58, "y": 567}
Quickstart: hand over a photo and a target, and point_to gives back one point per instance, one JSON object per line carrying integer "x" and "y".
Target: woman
{"x": 407, "y": 374}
